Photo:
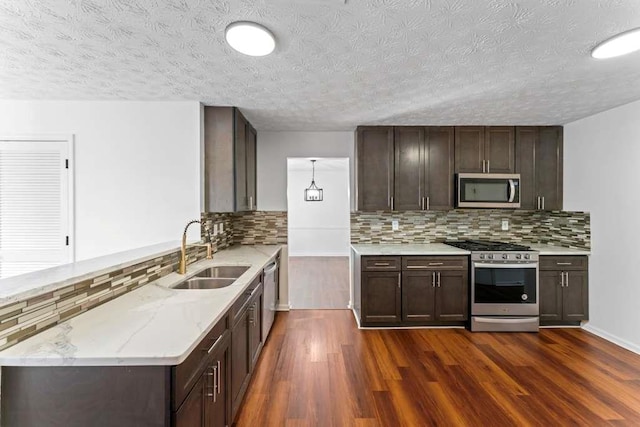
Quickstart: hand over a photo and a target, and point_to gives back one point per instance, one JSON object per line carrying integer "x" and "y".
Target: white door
{"x": 35, "y": 205}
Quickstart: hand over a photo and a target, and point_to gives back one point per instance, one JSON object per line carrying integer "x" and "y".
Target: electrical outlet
{"x": 215, "y": 229}
{"x": 221, "y": 227}
{"x": 505, "y": 225}
{"x": 395, "y": 225}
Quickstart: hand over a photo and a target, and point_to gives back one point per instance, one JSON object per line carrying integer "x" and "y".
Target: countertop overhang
{"x": 152, "y": 325}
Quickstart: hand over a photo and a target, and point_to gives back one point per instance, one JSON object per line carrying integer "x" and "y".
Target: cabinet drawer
{"x": 244, "y": 298}
{"x": 434, "y": 263}
{"x": 381, "y": 263}
{"x": 186, "y": 374}
{"x": 564, "y": 262}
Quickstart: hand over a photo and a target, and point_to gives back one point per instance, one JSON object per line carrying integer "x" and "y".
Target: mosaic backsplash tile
{"x": 221, "y": 240}
{"x": 21, "y": 320}
{"x": 260, "y": 228}
{"x": 568, "y": 229}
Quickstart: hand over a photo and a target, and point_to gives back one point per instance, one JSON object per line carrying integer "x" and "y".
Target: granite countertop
{"x": 557, "y": 250}
{"x": 152, "y": 325}
{"x": 407, "y": 249}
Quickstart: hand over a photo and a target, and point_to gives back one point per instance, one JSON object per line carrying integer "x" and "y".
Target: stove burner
{"x": 487, "y": 246}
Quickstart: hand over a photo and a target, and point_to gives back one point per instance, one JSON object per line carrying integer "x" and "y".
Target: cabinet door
{"x": 575, "y": 296}
{"x": 374, "y": 157}
{"x": 550, "y": 295}
{"x": 452, "y": 296}
{"x": 240, "y": 363}
{"x": 381, "y": 297}
{"x": 469, "y": 149}
{"x": 251, "y": 139}
{"x": 240, "y": 147}
{"x": 439, "y": 171}
{"x": 526, "y": 142}
{"x": 418, "y": 296}
{"x": 255, "y": 330}
{"x": 549, "y": 167}
{"x": 499, "y": 149}
{"x": 217, "y": 396}
{"x": 408, "y": 171}
{"x": 191, "y": 412}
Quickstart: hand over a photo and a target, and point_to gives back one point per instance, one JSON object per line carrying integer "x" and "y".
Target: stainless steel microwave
{"x": 488, "y": 190}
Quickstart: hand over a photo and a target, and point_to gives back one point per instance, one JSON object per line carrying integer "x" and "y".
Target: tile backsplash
{"x": 569, "y": 229}
{"x": 23, "y": 319}
{"x": 250, "y": 228}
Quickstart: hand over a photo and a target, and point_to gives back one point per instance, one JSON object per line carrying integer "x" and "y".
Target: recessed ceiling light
{"x": 618, "y": 45}
{"x": 250, "y": 38}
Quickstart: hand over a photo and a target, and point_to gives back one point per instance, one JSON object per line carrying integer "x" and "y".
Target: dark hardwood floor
{"x": 318, "y": 369}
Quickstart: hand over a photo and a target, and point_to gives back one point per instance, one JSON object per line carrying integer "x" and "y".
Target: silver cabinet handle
{"x": 250, "y": 203}
{"x": 392, "y": 203}
{"x": 538, "y": 203}
{"x": 438, "y": 273}
{"x": 563, "y": 263}
{"x": 211, "y": 389}
{"x": 488, "y": 166}
{"x": 433, "y": 279}
{"x": 566, "y": 280}
{"x": 399, "y": 279}
{"x": 422, "y": 203}
{"x": 483, "y": 168}
{"x": 436, "y": 263}
{"x": 562, "y": 279}
{"x": 542, "y": 202}
{"x": 381, "y": 264}
{"x": 218, "y": 377}
{"x": 416, "y": 267}
{"x": 428, "y": 208}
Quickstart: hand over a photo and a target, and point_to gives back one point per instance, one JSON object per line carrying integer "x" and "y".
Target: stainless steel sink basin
{"x": 205, "y": 283}
{"x": 228, "y": 271}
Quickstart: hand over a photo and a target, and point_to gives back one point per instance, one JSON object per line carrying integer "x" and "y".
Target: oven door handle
{"x": 502, "y": 320}
{"x": 523, "y": 265}
{"x": 512, "y": 190}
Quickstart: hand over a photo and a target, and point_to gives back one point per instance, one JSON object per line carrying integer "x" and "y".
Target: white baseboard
{"x": 612, "y": 338}
{"x": 283, "y": 307}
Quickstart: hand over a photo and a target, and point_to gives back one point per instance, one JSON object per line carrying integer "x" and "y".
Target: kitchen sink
{"x": 205, "y": 283}
{"x": 228, "y": 271}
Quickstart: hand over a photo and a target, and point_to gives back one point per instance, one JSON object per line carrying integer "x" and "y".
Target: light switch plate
{"x": 505, "y": 225}
{"x": 215, "y": 229}
{"x": 395, "y": 225}
{"x": 221, "y": 227}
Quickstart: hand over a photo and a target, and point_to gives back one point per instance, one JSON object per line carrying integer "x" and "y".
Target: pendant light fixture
{"x": 313, "y": 193}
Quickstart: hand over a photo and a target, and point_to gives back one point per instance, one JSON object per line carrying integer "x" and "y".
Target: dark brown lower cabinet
{"x": 423, "y": 291}
{"x": 564, "y": 290}
{"x": 191, "y": 413}
{"x": 246, "y": 344}
{"x": 381, "y": 297}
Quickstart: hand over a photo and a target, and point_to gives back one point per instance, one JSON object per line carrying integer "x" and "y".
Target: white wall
{"x": 319, "y": 228}
{"x": 275, "y": 147}
{"x": 137, "y": 167}
{"x": 601, "y": 155}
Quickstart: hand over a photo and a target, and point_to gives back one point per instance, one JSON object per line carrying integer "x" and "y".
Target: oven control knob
{"x": 525, "y": 297}
{"x": 518, "y": 256}
{"x": 527, "y": 256}
{"x": 505, "y": 256}
{"x": 490, "y": 256}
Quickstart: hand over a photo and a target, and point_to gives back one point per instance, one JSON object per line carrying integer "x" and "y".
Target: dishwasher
{"x": 270, "y": 298}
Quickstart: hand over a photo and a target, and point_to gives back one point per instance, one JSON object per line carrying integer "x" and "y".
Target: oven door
{"x": 504, "y": 289}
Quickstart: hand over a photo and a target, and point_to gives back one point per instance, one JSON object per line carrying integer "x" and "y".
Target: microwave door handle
{"x": 512, "y": 191}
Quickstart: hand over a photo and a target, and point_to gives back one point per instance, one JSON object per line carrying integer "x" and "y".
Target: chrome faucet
{"x": 182, "y": 268}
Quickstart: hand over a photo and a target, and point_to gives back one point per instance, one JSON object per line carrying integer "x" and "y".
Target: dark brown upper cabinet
{"x": 539, "y": 163}
{"x": 230, "y": 161}
{"x": 419, "y": 161}
{"x": 374, "y": 165}
{"x": 481, "y": 149}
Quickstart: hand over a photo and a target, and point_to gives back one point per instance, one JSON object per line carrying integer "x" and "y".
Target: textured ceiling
{"x": 336, "y": 66}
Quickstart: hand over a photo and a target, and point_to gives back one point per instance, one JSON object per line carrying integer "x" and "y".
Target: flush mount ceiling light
{"x": 313, "y": 193}
{"x": 250, "y": 38}
{"x": 618, "y": 45}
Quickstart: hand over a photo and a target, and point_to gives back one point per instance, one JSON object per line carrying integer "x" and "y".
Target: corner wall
{"x": 601, "y": 155}
{"x": 136, "y": 169}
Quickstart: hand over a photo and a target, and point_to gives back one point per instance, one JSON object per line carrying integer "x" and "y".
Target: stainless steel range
{"x": 504, "y": 286}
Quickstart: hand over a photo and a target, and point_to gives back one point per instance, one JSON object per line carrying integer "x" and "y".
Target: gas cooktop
{"x": 487, "y": 246}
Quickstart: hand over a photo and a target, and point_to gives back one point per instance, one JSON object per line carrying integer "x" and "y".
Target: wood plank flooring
{"x": 318, "y": 369}
{"x": 319, "y": 282}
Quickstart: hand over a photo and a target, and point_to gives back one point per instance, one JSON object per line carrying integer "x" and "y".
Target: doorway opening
{"x": 318, "y": 233}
